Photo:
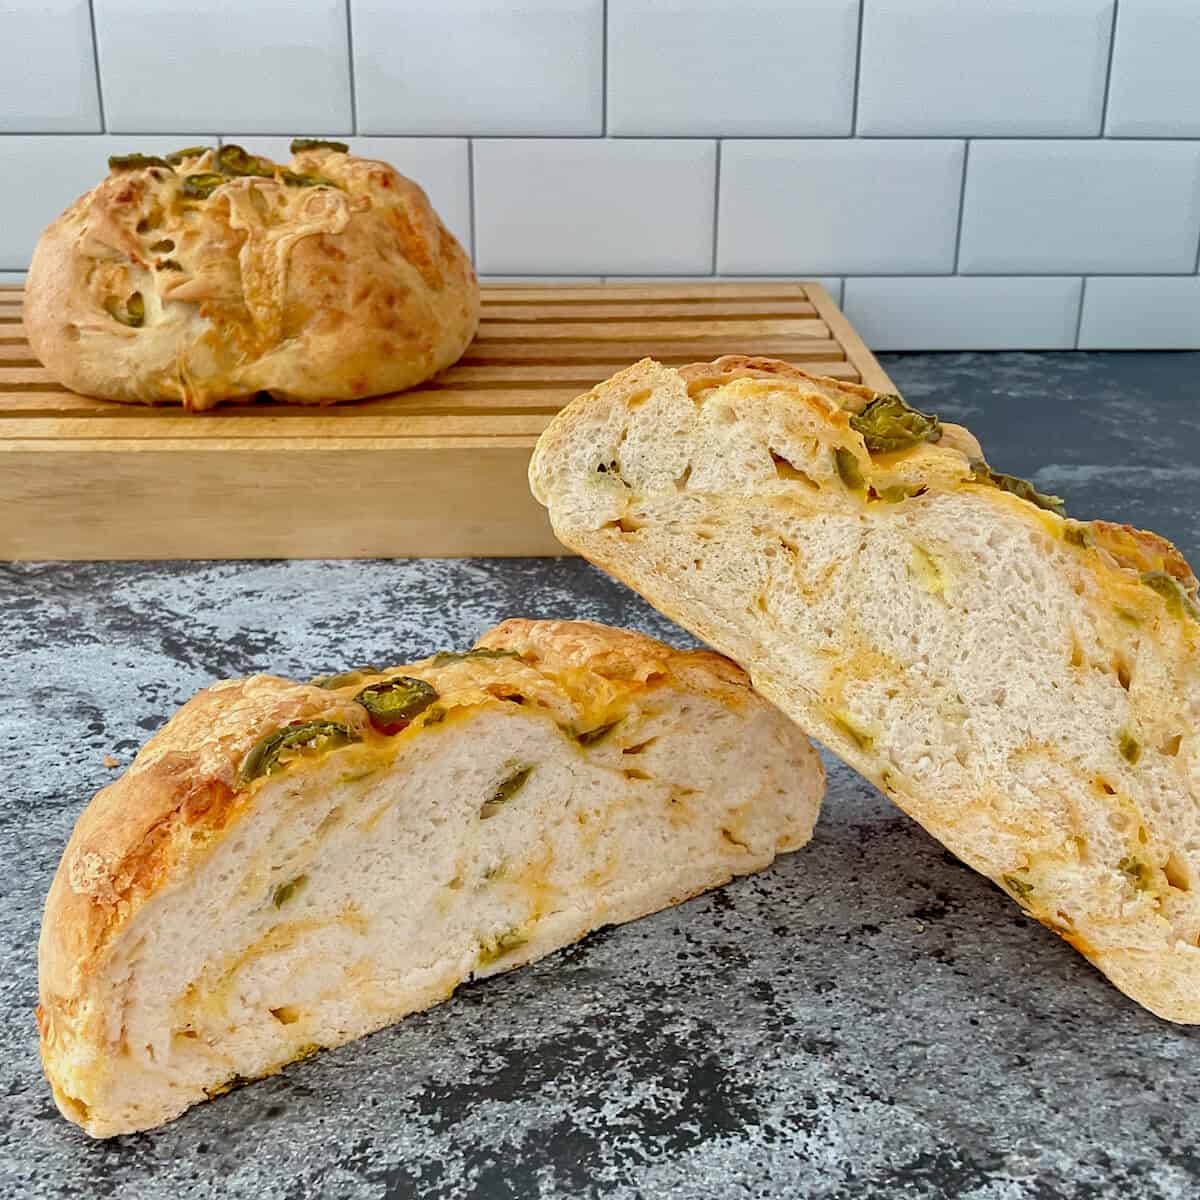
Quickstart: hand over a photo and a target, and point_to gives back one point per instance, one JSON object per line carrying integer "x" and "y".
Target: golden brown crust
{"x": 182, "y": 792}
{"x": 1141, "y": 550}
{"x": 313, "y": 294}
{"x": 850, "y": 396}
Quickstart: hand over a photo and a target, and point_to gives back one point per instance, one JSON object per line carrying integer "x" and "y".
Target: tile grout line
{"x": 862, "y": 5}
{"x": 604, "y": 70}
{"x": 471, "y": 200}
{"x": 350, "y": 64}
{"x": 96, "y": 66}
{"x": 962, "y": 200}
{"x": 1083, "y": 282}
{"x": 1183, "y": 140}
{"x": 716, "y": 208}
{"x": 1112, "y": 46}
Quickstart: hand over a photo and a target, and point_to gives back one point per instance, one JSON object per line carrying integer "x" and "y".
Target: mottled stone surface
{"x": 866, "y": 1019}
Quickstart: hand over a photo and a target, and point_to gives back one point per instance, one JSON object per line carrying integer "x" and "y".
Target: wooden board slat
{"x": 645, "y": 293}
{"x": 605, "y": 311}
{"x": 436, "y": 470}
{"x": 665, "y": 330}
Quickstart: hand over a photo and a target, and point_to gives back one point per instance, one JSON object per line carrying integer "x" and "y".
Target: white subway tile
{"x": 47, "y": 70}
{"x": 61, "y": 170}
{"x": 1126, "y": 312}
{"x": 1154, "y": 91}
{"x": 757, "y": 68}
{"x": 862, "y": 206}
{"x": 594, "y": 206}
{"x": 1088, "y": 206}
{"x": 439, "y": 165}
{"x": 484, "y": 67}
{"x": 953, "y": 313}
{"x": 274, "y": 66}
{"x": 1001, "y": 67}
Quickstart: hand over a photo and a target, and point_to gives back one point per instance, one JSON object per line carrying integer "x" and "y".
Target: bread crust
{"x": 1142, "y": 931}
{"x": 182, "y": 795}
{"x": 312, "y": 294}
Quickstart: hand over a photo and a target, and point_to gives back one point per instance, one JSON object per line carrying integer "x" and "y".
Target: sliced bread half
{"x": 288, "y": 866}
{"x": 1024, "y": 685}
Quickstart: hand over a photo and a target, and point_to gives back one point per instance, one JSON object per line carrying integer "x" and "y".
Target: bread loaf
{"x": 289, "y": 866}
{"x": 1024, "y": 685}
{"x": 216, "y": 275}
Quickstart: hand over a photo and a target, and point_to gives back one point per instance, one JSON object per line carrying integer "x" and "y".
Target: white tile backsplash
{"x": 893, "y": 207}
{"x": 1129, "y": 313}
{"x": 1081, "y": 206}
{"x": 273, "y": 66}
{"x": 979, "y": 172}
{"x": 752, "y": 69}
{"x": 439, "y": 165}
{"x": 484, "y": 67}
{"x": 588, "y": 205}
{"x": 978, "y": 69}
{"x": 47, "y": 70}
{"x": 59, "y": 170}
{"x": 1155, "y": 89}
{"x": 955, "y": 313}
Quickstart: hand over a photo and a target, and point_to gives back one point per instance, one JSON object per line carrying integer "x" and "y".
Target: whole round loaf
{"x": 219, "y": 275}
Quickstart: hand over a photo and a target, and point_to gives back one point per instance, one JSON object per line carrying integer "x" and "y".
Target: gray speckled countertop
{"x": 866, "y": 1019}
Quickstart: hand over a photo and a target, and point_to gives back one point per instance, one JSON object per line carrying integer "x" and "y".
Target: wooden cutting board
{"x": 439, "y": 470}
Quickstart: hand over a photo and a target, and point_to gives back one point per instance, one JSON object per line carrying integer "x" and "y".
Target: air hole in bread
{"x": 1108, "y": 790}
{"x": 1170, "y": 748}
{"x": 635, "y": 773}
{"x": 1076, "y": 653}
{"x": 1177, "y": 872}
{"x": 789, "y": 471}
{"x": 641, "y": 747}
{"x": 1122, "y": 670}
{"x": 190, "y": 1034}
{"x": 681, "y": 481}
{"x": 623, "y": 525}
{"x": 638, "y": 399}
{"x": 734, "y": 840}
{"x": 286, "y": 1015}
{"x": 705, "y": 535}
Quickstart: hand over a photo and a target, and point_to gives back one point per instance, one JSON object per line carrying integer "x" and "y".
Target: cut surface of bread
{"x": 1024, "y": 685}
{"x": 289, "y": 866}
